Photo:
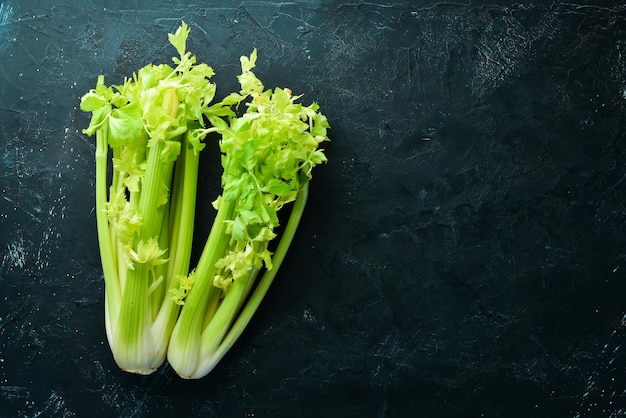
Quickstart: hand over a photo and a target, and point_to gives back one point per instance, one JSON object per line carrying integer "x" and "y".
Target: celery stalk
{"x": 212, "y": 357}
{"x": 153, "y": 122}
{"x": 184, "y": 346}
{"x": 268, "y": 154}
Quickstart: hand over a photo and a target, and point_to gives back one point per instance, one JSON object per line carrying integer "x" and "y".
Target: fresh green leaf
{"x": 248, "y": 63}
{"x": 179, "y": 39}
{"x": 98, "y": 117}
{"x": 276, "y": 187}
{"x": 126, "y": 123}
{"x": 92, "y": 101}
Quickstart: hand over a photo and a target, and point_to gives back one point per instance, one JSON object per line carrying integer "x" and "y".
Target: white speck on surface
{"x": 16, "y": 255}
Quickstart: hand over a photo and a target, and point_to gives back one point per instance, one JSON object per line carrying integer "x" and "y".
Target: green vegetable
{"x": 153, "y": 124}
{"x": 268, "y": 154}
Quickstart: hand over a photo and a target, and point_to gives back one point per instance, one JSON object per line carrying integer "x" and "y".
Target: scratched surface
{"x": 463, "y": 252}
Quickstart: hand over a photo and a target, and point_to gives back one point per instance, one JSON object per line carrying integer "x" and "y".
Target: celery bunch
{"x": 268, "y": 154}
{"x": 155, "y": 124}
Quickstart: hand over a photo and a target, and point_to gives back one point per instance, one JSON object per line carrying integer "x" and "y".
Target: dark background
{"x": 463, "y": 253}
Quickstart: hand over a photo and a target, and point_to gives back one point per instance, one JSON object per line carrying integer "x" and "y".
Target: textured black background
{"x": 463, "y": 253}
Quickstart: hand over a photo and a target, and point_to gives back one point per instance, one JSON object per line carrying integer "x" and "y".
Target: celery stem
{"x": 261, "y": 289}
{"x": 183, "y": 350}
{"x": 106, "y": 245}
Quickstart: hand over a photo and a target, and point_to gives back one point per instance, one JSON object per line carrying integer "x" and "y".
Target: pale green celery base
{"x": 136, "y": 330}
{"x": 227, "y": 311}
{"x": 133, "y": 340}
{"x": 184, "y": 344}
{"x": 213, "y": 356}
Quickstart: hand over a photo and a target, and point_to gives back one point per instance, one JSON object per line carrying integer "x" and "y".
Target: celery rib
{"x": 261, "y": 289}
{"x": 183, "y": 348}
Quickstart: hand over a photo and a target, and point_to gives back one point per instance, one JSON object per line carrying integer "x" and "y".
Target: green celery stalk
{"x": 133, "y": 335}
{"x": 107, "y": 252}
{"x": 211, "y": 357}
{"x": 268, "y": 155}
{"x": 154, "y": 125}
{"x": 184, "y": 346}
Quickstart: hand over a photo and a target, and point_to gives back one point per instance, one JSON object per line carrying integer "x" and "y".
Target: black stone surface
{"x": 463, "y": 253}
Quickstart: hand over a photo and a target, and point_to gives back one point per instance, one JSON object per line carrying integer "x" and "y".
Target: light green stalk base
{"x": 139, "y": 318}
{"x": 194, "y": 352}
